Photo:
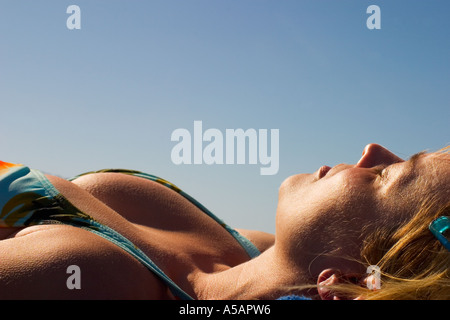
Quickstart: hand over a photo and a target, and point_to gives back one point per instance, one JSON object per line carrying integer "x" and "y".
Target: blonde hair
{"x": 413, "y": 263}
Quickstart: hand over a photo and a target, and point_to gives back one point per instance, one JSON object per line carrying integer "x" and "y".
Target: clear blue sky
{"x": 111, "y": 93}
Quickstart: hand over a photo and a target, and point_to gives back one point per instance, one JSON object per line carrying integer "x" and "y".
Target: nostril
{"x": 375, "y": 154}
{"x": 369, "y": 155}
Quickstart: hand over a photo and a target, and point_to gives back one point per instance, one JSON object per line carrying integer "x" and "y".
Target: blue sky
{"x": 111, "y": 93}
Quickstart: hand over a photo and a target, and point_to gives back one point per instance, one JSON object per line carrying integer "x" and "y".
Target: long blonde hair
{"x": 413, "y": 263}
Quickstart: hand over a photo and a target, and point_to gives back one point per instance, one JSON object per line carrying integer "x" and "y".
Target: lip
{"x": 322, "y": 172}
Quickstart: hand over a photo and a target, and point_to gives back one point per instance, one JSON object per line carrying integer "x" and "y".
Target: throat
{"x": 262, "y": 278}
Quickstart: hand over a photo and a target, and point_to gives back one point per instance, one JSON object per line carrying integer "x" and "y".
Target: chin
{"x": 294, "y": 181}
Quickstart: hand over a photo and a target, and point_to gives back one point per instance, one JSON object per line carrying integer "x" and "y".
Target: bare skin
{"x": 166, "y": 226}
{"x": 196, "y": 252}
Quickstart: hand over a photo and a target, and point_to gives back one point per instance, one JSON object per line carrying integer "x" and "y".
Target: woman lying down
{"x": 132, "y": 235}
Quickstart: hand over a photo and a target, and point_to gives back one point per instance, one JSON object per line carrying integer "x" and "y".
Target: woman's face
{"x": 333, "y": 209}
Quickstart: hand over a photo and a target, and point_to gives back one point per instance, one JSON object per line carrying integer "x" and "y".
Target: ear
{"x": 329, "y": 277}
{"x": 326, "y": 278}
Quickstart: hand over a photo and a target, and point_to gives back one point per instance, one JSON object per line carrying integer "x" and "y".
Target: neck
{"x": 267, "y": 276}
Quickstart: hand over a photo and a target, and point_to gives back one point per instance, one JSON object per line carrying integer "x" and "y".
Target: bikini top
{"x": 28, "y": 198}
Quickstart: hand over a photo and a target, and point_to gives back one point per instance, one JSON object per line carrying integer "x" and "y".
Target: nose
{"x": 374, "y": 155}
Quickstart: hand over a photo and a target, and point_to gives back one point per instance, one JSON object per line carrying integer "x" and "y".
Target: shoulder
{"x": 64, "y": 262}
{"x": 262, "y": 240}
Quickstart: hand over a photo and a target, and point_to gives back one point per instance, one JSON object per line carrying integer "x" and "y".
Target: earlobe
{"x": 325, "y": 280}
{"x": 332, "y": 277}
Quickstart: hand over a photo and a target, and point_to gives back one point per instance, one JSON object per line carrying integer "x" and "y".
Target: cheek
{"x": 325, "y": 209}
{"x": 355, "y": 188}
